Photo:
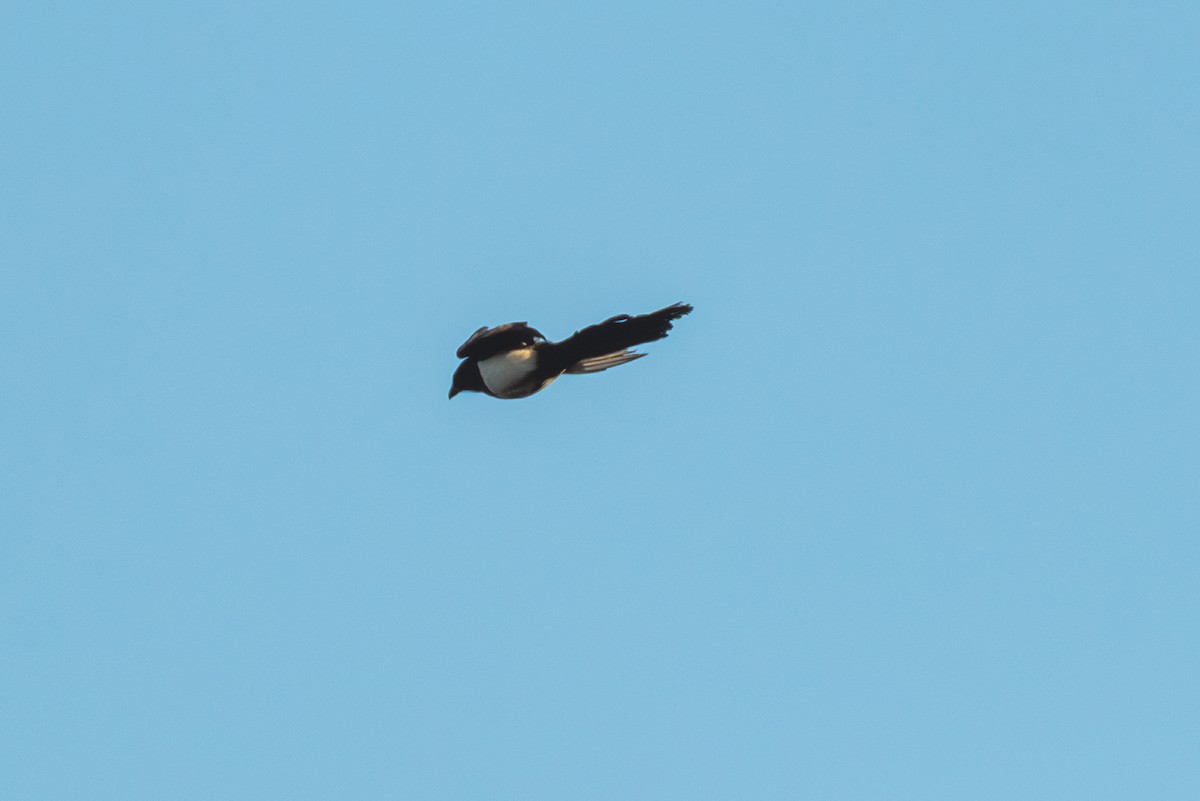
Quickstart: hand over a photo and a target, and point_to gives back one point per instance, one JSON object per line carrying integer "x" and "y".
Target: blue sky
{"x": 906, "y": 509}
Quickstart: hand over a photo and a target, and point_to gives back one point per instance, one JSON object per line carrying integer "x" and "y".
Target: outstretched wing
{"x": 489, "y": 341}
{"x": 610, "y": 339}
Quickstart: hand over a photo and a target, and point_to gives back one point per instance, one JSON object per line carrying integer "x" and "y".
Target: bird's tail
{"x": 607, "y": 343}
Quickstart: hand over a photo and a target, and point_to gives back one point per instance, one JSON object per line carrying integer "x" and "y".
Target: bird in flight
{"x": 514, "y": 360}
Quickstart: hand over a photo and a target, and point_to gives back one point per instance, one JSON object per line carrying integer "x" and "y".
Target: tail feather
{"x": 616, "y": 335}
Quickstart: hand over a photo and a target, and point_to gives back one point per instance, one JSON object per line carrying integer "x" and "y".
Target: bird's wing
{"x": 598, "y": 363}
{"x": 582, "y": 351}
{"x": 489, "y": 341}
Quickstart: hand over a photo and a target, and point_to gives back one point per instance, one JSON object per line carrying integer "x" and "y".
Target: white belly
{"x": 508, "y": 374}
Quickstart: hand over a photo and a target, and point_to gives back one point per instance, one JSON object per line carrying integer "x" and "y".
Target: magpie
{"x": 514, "y": 360}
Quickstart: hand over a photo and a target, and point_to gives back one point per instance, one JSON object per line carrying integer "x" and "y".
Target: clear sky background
{"x": 908, "y": 507}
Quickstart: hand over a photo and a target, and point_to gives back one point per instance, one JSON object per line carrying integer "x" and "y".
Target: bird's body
{"x": 512, "y": 373}
{"x": 514, "y": 360}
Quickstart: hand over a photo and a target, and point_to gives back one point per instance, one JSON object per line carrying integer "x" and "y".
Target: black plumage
{"x": 514, "y": 360}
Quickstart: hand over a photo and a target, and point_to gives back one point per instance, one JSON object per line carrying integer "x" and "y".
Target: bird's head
{"x": 466, "y": 378}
